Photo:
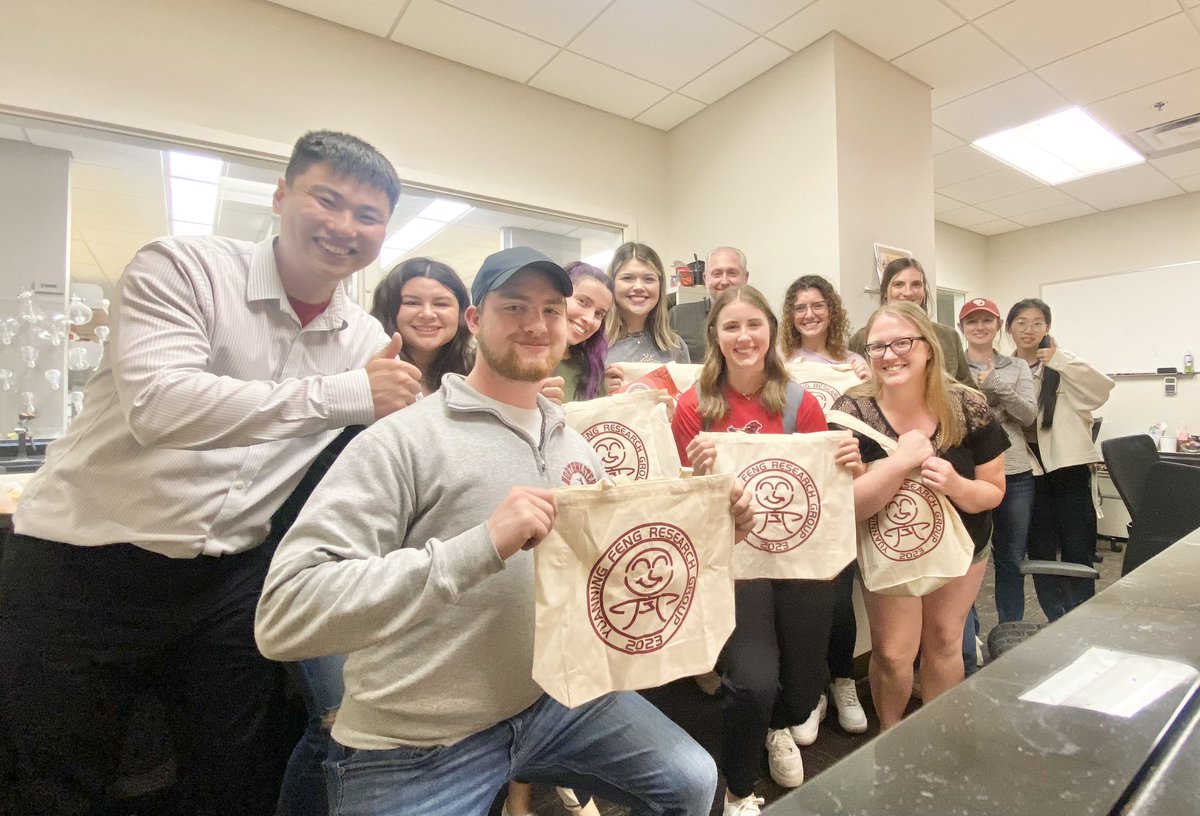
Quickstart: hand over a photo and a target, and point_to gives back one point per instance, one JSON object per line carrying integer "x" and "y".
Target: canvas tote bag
{"x": 824, "y": 381}
{"x": 630, "y": 433}
{"x": 803, "y": 503}
{"x": 684, "y": 374}
{"x": 917, "y": 542}
{"x": 634, "y": 586}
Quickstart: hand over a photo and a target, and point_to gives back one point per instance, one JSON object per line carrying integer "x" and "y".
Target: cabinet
{"x": 1114, "y": 516}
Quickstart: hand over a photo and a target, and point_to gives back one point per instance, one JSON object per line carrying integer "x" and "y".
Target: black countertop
{"x": 980, "y": 750}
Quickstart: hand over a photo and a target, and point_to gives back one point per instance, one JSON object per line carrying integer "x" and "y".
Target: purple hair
{"x": 588, "y": 356}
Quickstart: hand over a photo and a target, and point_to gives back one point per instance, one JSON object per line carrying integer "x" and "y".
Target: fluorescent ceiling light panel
{"x": 194, "y": 201}
{"x": 1061, "y": 147}
{"x": 444, "y": 210}
{"x": 193, "y": 166}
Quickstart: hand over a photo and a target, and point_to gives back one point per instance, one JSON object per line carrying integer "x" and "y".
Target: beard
{"x": 509, "y": 365}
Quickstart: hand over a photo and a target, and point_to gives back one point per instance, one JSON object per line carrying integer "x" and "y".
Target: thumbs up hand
{"x": 394, "y": 383}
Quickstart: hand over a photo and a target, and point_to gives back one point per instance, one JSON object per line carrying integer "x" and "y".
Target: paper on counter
{"x": 1111, "y": 682}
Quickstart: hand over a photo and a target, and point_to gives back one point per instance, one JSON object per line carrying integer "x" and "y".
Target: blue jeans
{"x": 303, "y": 790}
{"x": 619, "y": 747}
{"x": 1010, "y": 541}
{"x": 970, "y": 631}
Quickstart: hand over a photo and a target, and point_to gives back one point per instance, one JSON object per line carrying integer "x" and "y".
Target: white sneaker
{"x": 851, "y": 716}
{"x": 783, "y": 758}
{"x": 571, "y": 803}
{"x": 744, "y": 807}
{"x": 806, "y": 732}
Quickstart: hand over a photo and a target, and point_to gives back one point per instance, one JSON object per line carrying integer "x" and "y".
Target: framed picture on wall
{"x": 884, "y": 255}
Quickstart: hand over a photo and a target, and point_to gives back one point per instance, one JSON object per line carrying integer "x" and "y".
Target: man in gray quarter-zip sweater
{"x": 413, "y": 556}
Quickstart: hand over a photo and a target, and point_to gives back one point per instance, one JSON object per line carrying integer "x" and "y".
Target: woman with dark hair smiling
{"x": 590, "y": 302}
{"x": 1064, "y": 518}
{"x": 425, "y": 300}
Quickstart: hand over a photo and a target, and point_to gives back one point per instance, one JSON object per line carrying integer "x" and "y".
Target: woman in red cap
{"x": 1008, "y": 386}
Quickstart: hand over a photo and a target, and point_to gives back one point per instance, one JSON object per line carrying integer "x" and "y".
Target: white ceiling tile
{"x": 961, "y": 164}
{"x": 1060, "y": 213}
{"x": 553, "y": 22}
{"x": 1190, "y": 183}
{"x": 669, "y": 112}
{"x": 995, "y": 227}
{"x": 1134, "y": 110}
{"x": 965, "y": 217}
{"x": 992, "y": 186}
{"x": 888, "y": 28}
{"x": 1011, "y": 103}
{"x": 958, "y": 63}
{"x": 629, "y": 35}
{"x": 591, "y": 83}
{"x": 1038, "y": 32}
{"x": 1179, "y": 165}
{"x": 943, "y": 141}
{"x": 1120, "y": 188}
{"x": 1040, "y": 198}
{"x": 974, "y": 8}
{"x": 448, "y": 32}
{"x": 372, "y": 16}
{"x": 736, "y": 71}
{"x": 943, "y": 204}
{"x": 104, "y": 179}
{"x": 1158, "y": 51}
{"x": 760, "y": 15}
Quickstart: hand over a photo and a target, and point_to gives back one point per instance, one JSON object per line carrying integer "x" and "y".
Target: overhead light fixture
{"x": 192, "y": 184}
{"x": 1062, "y": 147}
{"x": 437, "y": 215}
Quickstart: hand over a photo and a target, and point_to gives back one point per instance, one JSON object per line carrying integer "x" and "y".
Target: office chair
{"x": 1129, "y": 459}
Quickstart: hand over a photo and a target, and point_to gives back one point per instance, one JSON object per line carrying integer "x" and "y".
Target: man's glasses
{"x": 820, "y": 307}
{"x": 900, "y": 347}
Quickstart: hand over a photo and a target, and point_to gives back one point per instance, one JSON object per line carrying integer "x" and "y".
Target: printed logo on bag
{"x": 787, "y": 505}
{"x": 577, "y": 473}
{"x": 640, "y": 590}
{"x": 915, "y": 523}
{"x": 825, "y": 394}
{"x": 621, "y": 450}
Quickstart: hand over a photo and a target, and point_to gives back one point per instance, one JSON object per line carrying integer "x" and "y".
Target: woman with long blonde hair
{"x": 638, "y": 329}
{"x": 773, "y": 666}
{"x": 947, "y": 431}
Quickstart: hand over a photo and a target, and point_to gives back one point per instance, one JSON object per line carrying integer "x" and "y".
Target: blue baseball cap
{"x": 500, "y": 266}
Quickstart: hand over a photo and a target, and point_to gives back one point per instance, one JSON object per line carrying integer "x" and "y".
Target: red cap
{"x": 978, "y": 305}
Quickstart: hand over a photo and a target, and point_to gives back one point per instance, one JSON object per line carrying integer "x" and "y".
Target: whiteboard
{"x": 1129, "y": 322}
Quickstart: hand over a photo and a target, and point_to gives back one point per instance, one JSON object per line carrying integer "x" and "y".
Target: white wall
{"x": 1138, "y": 237}
{"x": 254, "y": 75}
{"x": 962, "y": 258}
{"x": 758, "y": 170}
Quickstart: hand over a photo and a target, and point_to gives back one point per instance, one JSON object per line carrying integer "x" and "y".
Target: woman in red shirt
{"x": 773, "y": 666}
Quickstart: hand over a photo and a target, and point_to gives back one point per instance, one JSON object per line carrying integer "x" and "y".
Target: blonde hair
{"x": 938, "y": 385}
{"x": 714, "y": 375}
{"x": 657, "y": 321}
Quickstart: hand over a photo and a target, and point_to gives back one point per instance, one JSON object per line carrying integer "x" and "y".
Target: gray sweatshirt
{"x": 391, "y": 561}
{"x": 1009, "y": 392}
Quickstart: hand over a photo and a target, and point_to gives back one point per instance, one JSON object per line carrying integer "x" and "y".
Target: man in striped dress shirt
{"x": 135, "y": 560}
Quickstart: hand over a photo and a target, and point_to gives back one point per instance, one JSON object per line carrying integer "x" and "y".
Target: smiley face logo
{"x": 774, "y": 493}
{"x": 620, "y": 449}
{"x": 902, "y": 509}
{"x": 787, "y": 504}
{"x": 640, "y": 590}
{"x": 649, "y": 572}
{"x": 912, "y": 523}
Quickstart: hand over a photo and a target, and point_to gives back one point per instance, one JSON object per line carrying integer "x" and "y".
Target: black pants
{"x": 773, "y": 668}
{"x": 1064, "y": 522}
{"x": 844, "y": 633}
{"x": 84, "y": 631}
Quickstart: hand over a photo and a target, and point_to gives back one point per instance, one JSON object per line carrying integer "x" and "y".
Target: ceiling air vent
{"x": 1171, "y": 137}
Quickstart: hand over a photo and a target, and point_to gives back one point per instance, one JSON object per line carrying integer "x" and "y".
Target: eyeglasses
{"x": 900, "y": 347}
{"x": 819, "y": 307}
{"x": 1022, "y": 325}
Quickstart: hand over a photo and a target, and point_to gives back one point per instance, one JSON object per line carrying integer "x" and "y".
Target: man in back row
{"x": 135, "y": 561}
{"x": 724, "y": 268}
{"x": 413, "y": 555}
